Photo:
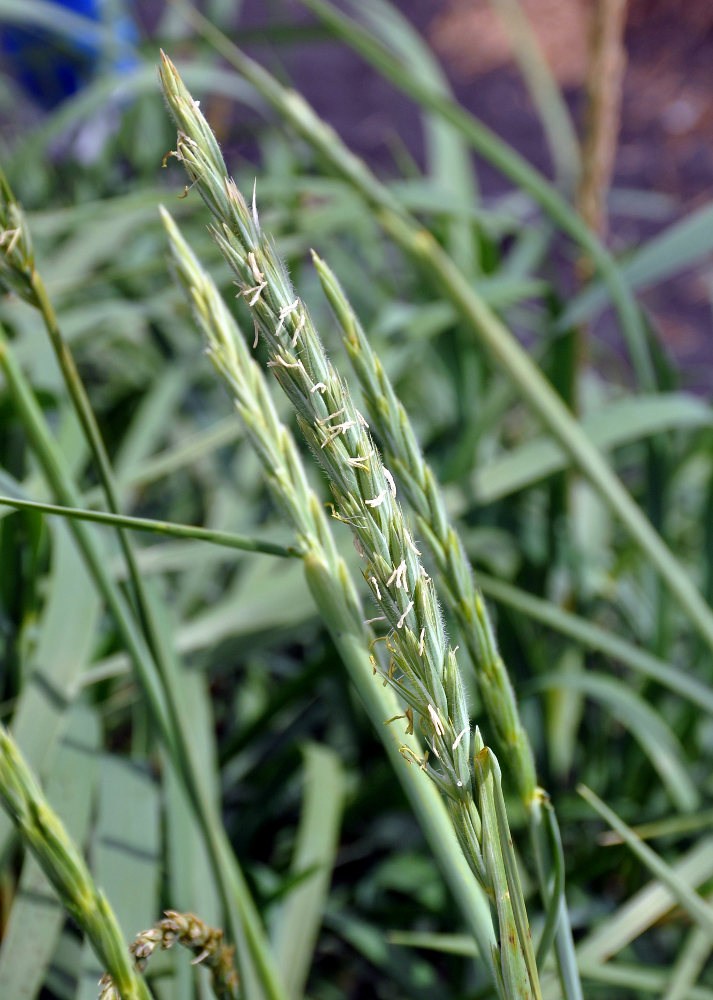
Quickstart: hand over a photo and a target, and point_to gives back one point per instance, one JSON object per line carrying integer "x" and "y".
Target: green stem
{"x": 166, "y": 528}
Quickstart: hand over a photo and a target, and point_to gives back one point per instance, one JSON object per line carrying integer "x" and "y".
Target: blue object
{"x": 51, "y": 66}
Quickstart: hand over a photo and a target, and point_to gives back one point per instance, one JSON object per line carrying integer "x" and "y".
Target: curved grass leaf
{"x": 679, "y": 247}
{"x": 511, "y": 164}
{"x": 594, "y": 637}
{"x": 66, "y": 633}
{"x": 653, "y": 734}
{"x": 36, "y": 918}
{"x": 695, "y": 906}
{"x": 300, "y": 916}
{"x": 620, "y": 422}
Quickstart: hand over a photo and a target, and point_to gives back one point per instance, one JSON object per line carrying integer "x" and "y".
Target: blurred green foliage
{"x": 615, "y": 686}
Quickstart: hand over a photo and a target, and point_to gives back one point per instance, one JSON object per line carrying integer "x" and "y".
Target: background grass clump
{"x": 182, "y": 702}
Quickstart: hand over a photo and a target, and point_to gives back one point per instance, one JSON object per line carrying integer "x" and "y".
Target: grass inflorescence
{"x": 419, "y": 663}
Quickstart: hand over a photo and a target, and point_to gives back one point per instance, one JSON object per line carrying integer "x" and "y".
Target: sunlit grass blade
{"x": 648, "y": 978}
{"x": 646, "y": 908}
{"x": 619, "y": 423}
{"x": 690, "y": 963}
{"x": 669, "y": 826}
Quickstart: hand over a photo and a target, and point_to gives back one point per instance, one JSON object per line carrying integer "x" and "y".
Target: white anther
{"x": 360, "y": 461}
{"x": 257, "y": 332}
{"x": 437, "y": 724}
{"x": 362, "y": 421}
{"x": 319, "y": 385}
{"x": 298, "y": 328}
{"x": 409, "y": 542}
{"x": 284, "y": 313}
{"x": 255, "y": 218}
{"x": 377, "y": 501}
{"x": 459, "y": 737}
{"x": 379, "y": 618}
{"x": 280, "y": 362}
{"x": 435, "y": 751}
{"x": 256, "y": 291}
{"x": 400, "y": 622}
{"x": 372, "y": 579}
{"x": 325, "y": 420}
{"x": 459, "y": 783}
{"x": 14, "y": 235}
{"x": 334, "y": 432}
{"x": 422, "y": 642}
{"x": 399, "y": 575}
{"x": 256, "y": 272}
{"x": 390, "y": 480}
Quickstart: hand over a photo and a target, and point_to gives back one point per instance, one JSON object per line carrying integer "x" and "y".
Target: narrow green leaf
{"x": 299, "y": 919}
{"x": 125, "y": 854}
{"x": 36, "y": 917}
{"x": 646, "y": 907}
{"x": 653, "y": 734}
{"x": 595, "y": 637}
{"x": 692, "y": 903}
{"x": 678, "y": 248}
{"x": 621, "y": 422}
{"x": 66, "y": 633}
